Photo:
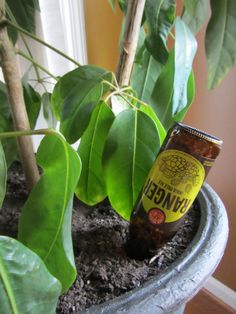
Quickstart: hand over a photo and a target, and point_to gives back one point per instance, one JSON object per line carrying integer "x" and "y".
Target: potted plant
{"x": 111, "y": 119}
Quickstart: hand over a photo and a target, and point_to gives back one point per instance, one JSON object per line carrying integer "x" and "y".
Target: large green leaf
{"x": 220, "y": 40}
{"x": 162, "y": 96}
{"x": 79, "y": 92}
{"x": 130, "y": 150}
{"x": 3, "y": 174}
{"x": 91, "y": 188}
{"x": 32, "y": 103}
{"x": 185, "y": 49}
{"x": 160, "y": 15}
{"x": 23, "y": 12}
{"x": 26, "y": 286}
{"x": 144, "y": 76}
{"x": 195, "y": 13}
{"x": 45, "y": 223}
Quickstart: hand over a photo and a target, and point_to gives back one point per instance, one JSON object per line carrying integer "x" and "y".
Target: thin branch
{"x": 135, "y": 98}
{"x": 27, "y": 133}
{"x": 21, "y": 53}
{"x": 22, "y": 30}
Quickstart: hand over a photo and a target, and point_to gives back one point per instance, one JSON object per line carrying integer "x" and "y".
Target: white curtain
{"x": 61, "y": 24}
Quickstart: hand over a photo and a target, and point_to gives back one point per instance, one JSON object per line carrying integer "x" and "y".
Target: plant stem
{"x": 22, "y": 30}
{"x": 130, "y": 40}
{"x": 12, "y": 78}
{"x": 27, "y": 133}
{"x": 21, "y": 53}
{"x": 134, "y": 98}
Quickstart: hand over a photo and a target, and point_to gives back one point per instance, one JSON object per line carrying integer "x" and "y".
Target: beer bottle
{"x": 173, "y": 183}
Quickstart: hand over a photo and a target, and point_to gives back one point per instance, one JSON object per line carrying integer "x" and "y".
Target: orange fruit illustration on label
{"x": 156, "y": 216}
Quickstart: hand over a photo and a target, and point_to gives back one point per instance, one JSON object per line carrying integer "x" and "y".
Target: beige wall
{"x": 214, "y": 112}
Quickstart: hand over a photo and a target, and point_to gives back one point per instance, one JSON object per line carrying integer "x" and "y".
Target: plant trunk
{"x": 12, "y": 78}
{"x": 130, "y": 40}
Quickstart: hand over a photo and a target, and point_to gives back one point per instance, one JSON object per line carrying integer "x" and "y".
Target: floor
{"x": 206, "y": 303}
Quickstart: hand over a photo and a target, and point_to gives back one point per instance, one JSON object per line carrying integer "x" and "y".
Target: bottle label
{"x": 172, "y": 186}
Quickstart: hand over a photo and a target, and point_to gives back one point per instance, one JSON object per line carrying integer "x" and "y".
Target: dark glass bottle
{"x": 173, "y": 183}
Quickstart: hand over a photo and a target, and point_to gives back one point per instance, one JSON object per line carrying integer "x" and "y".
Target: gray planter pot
{"x": 169, "y": 292}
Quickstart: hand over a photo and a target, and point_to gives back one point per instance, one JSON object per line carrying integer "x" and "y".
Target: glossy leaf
{"x": 190, "y": 96}
{"x": 130, "y": 150}
{"x": 220, "y": 40}
{"x": 195, "y": 13}
{"x": 91, "y": 188}
{"x": 32, "y": 103}
{"x": 144, "y": 76}
{"x": 3, "y": 175}
{"x": 9, "y": 145}
{"x": 24, "y": 15}
{"x": 26, "y": 286}
{"x": 123, "y": 5}
{"x": 151, "y": 113}
{"x": 162, "y": 96}
{"x": 185, "y": 49}
{"x": 47, "y": 110}
{"x": 160, "y": 15}
{"x": 79, "y": 92}
{"x": 45, "y": 223}
{"x": 57, "y": 101}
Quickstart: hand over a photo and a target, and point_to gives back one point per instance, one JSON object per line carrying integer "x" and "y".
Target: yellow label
{"x": 172, "y": 186}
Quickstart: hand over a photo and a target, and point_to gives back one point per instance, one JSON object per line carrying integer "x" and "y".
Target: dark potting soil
{"x": 99, "y": 237}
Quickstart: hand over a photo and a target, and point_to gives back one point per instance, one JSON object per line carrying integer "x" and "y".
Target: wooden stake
{"x": 130, "y": 40}
{"x": 12, "y": 79}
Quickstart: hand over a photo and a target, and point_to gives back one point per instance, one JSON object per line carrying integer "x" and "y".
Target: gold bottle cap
{"x": 199, "y": 133}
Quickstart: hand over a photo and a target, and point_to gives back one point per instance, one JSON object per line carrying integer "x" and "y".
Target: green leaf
{"x": 10, "y": 149}
{"x": 130, "y": 150}
{"x": 185, "y": 49}
{"x": 123, "y": 5}
{"x": 112, "y": 4}
{"x": 190, "y": 96}
{"x": 6, "y": 124}
{"x": 195, "y": 13}
{"x": 220, "y": 40}
{"x": 144, "y": 76}
{"x": 162, "y": 96}
{"x": 151, "y": 113}
{"x": 23, "y": 12}
{"x": 26, "y": 286}
{"x": 160, "y": 15}
{"x": 4, "y": 105}
{"x": 91, "y": 188}
{"x": 3, "y": 175}
{"x": 47, "y": 110}
{"x": 79, "y": 92}
{"x": 57, "y": 101}
{"x": 45, "y": 223}
{"x": 32, "y": 103}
